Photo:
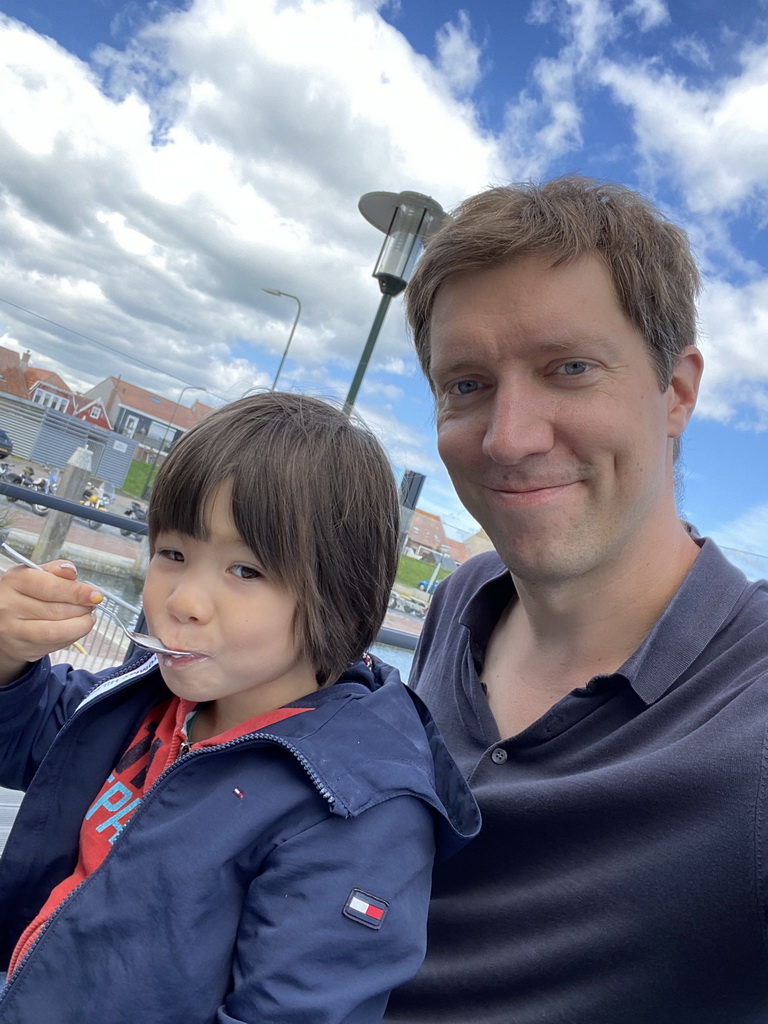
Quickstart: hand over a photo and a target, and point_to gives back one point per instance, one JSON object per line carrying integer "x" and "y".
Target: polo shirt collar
{"x": 702, "y": 604}
{"x": 705, "y": 600}
{"x": 482, "y": 611}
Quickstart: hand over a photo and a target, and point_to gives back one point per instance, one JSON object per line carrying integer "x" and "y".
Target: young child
{"x": 244, "y": 832}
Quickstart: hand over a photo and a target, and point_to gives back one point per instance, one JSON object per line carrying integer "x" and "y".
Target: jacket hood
{"x": 365, "y": 744}
{"x": 363, "y": 751}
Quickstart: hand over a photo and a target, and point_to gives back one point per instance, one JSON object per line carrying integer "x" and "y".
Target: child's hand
{"x": 41, "y": 612}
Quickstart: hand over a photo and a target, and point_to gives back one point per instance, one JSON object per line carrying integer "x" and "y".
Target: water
{"x": 128, "y": 588}
{"x": 398, "y": 657}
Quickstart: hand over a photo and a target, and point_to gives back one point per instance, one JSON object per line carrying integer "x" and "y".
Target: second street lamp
{"x": 159, "y": 449}
{"x": 274, "y": 291}
{"x": 189, "y": 387}
{"x": 406, "y": 219}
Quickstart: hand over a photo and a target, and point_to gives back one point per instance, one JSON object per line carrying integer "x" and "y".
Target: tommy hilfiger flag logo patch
{"x": 368, "y": 910}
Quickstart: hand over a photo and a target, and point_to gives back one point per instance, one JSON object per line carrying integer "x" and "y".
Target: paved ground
{"x": 106, "y": 538}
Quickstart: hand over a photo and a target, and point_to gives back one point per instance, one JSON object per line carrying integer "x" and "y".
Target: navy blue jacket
{"x": 213, "y": 906}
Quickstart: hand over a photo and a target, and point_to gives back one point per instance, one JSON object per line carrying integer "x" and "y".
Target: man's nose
{"x": 521, "y": 423}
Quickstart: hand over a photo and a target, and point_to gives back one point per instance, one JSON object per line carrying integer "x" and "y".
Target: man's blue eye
{"x": 466, "y": 387}
{"x": 574, "y": 368}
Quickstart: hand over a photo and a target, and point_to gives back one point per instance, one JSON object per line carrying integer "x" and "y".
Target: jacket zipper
{"x": 184, "y": 754}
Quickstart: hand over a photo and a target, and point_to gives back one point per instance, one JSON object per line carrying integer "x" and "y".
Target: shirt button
{"x": 499, "y": 755}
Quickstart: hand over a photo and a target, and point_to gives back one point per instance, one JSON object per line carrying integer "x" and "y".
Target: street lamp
{"x": 406, "y": 219}
{"x": 189, "y": 387}
{"x": 274, "y": 291}
{"x": 153, "y": 463}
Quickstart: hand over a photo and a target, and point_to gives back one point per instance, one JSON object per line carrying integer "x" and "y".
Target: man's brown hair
{"x": 313, "y": 497}
{"x": 649, "y": 258}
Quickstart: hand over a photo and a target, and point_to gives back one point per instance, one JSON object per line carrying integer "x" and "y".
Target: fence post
{"x": 71, "y": 485}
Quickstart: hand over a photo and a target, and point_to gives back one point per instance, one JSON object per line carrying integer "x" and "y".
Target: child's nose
{"x": 189, "y": 601}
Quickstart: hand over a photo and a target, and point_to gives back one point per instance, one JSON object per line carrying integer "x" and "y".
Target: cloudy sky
{"x": 162, "y": 162}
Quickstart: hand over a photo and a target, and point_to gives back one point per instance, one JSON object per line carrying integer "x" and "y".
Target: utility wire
{"x": 101, "y": 344}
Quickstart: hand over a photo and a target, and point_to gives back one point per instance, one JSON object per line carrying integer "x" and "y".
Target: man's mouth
{"x": 522, "y": 489}
{"x": 528, "y": 494}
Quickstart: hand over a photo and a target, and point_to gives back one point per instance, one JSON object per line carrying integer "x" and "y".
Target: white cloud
{"x": 544, "y": 123}
{"x": 459, "y": 55}
{"x": 649, "y": 13}
{"x": 735, "y": 328}
{"x": 713, "y": 143}
{"x": 274, "y": 119}
{"x": 146, "y": 199}
{"x": 694, "y": 50}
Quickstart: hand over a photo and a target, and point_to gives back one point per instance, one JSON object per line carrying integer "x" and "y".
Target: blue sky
{"x": 161, "y": 163}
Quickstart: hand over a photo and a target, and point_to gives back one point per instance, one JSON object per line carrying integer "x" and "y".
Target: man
{"x": 603, "y": 679}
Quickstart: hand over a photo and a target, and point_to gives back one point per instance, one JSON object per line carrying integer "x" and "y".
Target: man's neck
{"x": 555, "y": 638}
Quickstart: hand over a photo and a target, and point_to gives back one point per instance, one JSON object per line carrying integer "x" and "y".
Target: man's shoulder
{"x": 471, "y": 575}
{"x": 719, "y": 590}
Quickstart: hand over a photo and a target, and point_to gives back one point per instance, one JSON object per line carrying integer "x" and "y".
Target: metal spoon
{"x": 151, "y": 643}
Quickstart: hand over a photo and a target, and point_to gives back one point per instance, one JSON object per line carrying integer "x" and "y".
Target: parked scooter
{"x": 28, "y": 479}
{"x": 139, "y": 513}
{"x": 99, "y": 498}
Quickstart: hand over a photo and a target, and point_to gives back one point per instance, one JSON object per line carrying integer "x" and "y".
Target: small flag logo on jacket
{"x": 368, "y": 910}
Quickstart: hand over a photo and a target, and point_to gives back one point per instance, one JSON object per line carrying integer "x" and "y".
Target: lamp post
{"x": 189, "y": 387}
{"x": 153, "y": 463}
{"x": 406, "y": 218}
{"x": 274, "y": 291}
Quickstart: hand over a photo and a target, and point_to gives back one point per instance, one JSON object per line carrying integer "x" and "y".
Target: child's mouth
{"x": 181, "y": 659}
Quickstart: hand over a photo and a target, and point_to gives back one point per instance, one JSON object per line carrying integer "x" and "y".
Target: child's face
{"x": 210, "y": 597}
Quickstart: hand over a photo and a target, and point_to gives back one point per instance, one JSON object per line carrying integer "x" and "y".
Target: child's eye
{"x": 171, "y": 554}
{"x": 246, "y": 572}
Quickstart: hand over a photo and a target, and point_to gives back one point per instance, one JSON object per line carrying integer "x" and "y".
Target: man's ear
{"x": 683, "y": 390}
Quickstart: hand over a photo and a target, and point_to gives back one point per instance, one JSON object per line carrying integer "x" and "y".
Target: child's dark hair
{"x": 314, "y": 498}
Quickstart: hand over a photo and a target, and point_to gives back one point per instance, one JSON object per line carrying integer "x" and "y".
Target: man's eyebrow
{"x": 453, "y": 367}
{"x": 560, "y": 345}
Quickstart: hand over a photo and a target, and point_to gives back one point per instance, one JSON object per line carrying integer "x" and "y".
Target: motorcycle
{"x": 140, "y": 515}
{"x": 96, "y": 497}
{"x": 28, "y": 479}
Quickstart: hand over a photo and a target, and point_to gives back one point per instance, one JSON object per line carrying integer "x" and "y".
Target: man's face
{"x": 551, "y": 420}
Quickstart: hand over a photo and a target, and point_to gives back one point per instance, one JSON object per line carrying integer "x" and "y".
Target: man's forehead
{"x": 529, "y": 288}
{"x": 544, "y": 262}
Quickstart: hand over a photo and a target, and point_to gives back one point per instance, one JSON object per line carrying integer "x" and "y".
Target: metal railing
{"x": 74, "y": 508}
{"x": 106, "y": 644}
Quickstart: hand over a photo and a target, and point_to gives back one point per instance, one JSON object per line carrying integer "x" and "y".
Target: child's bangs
{"x": 181, "y": 496}
{"x": 265, "y": 499}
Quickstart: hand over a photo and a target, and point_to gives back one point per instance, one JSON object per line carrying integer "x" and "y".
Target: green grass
{"x": 137, "y": 477}
{"x": 411, "y": 570}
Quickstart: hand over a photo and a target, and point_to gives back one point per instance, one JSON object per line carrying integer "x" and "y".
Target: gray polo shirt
{"x": 620, "y": 876}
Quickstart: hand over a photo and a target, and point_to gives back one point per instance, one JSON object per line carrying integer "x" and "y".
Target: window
{"x": 50, "y": 401}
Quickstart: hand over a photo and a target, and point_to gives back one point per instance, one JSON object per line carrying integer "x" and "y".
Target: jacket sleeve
{"x": 299, "y": 958}
{"x": 33, "y": 709}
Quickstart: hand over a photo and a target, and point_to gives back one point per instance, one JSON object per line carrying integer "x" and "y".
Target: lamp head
{"x": 406, "y": 218}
